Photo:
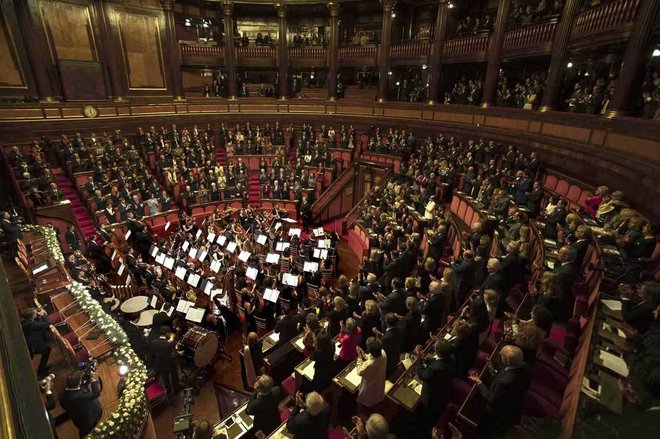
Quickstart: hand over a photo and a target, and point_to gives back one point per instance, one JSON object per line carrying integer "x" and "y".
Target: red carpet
{"x": 254, "y": 190}
{"x": 77, "y": 207}
{"x": 221, "y": 156}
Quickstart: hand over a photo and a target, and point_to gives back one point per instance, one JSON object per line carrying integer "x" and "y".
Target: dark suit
{"x": 305, "y": 426}
{"x": 464, "y": 273}
{"x": 392, "y": 341}
{"x": 580, "y": 248}
{"x": 160, "y": 354}
{"x": 465, "y": 350}
{"x": 567, "y": 274}
{"x": 394, "y": 302}
{"x": 433, "y": 309}
{"x": 534, "y": 201}
{"x": 83, "y": 407}
{"x": 512, "y": 269}
{"x": 287, "y": 327}
{"x": 410, "y": 325}
{"x": 436, "y": 375}
{"x": 12, "y": 234}
{"x": 137, "y": 340}
{"x": 264, "y": 408}
{"x": 639, "y": 316}
{"x": 324, "y": 369}
{"x": 35, "y": 336}
{"x": 504, "y": 400}
{"x": 494, "y": 281}
{"x": 551, "y": 221}
{"x": 72, "y": 240}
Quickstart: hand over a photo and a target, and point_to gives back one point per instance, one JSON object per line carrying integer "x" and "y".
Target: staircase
{"x": 78, "y": 209}
{"x": 292, "y": 151}
{"x": 254, "y": 190}
{"x": 221, "y": 156}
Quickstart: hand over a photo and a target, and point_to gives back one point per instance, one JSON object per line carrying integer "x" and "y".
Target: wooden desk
{"x": 281, "y": 433}
{"x": 349, "y": 380}
{"x": 82, "y": 326}
{"x": 236, "y": 424}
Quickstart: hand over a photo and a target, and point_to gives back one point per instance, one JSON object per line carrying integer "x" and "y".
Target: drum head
{"x": 205, "y": 349}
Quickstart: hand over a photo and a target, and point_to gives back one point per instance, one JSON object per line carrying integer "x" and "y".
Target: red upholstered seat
{"x": 562, "y": 188}
{"x": 284, "y": 414}
{"x": 289, "y": 386}
{"x": 155, "y": 390}
{"x": 72, "y": 338}
{"x": 550, "y": 183}
{"x": 537, "y": 406}
{"x": 54, "y": 318}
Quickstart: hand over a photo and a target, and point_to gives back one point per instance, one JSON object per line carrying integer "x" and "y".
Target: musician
{"x": 35, "y": 325}
{"x": 81, "y": 403}
{"x": 305, "y": 211}
{"x": 161, "y": 356}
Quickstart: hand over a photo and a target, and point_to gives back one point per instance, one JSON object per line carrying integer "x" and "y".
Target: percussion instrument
{"x": 200, "y": 344}
{"x": 147, "y": 317}
{"x": 134, "y": 304}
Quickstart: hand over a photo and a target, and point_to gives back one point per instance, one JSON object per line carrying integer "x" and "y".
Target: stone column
{"x": 384, "y": 50}
{"x": 559, "y": 55}
{"x": 283, "y": 51}
{"x": 172, "y": 54}
{"x": 333, "y": 50}
{"x": 631, "y": 76}
{"x": 437, "y": 50}
{"x": 495, "y": 53}
{"x": 230, "y": 49}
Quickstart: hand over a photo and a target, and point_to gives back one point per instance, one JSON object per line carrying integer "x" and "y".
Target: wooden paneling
{"x": 68, "y": 28}
{"x": 140, "y": 37}
{"x": 11, "y": 75}
{"x": 565, "y": 131}
{"x": 647, "y": 149}
{"x": 508, "y": 123}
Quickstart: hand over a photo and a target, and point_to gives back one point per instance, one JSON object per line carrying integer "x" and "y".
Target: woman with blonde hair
{"x": 551, "y": 294}
{"x": 370, "y": 320}
{"x": 337, "y": 315}
{"x": 592, "y": 202}
{"x": 253, "y": 358}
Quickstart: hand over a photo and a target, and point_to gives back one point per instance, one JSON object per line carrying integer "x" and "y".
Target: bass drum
{"x": 200, "y": 345}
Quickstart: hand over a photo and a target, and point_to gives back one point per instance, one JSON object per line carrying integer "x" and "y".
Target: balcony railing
{"x": 410, "y": 49}
{"x": 202, "y": 51}
{"x": 355, "y": 53}
{"x": 304, "y": 53}
{"x": 467, "y": 44}
{"x": 256, "y": 52}
{"x": 530, "y": 36}
{"x": 604, "y": 18}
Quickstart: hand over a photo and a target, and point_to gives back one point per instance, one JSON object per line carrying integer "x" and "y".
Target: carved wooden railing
{"x": 326, "y": 198}
{"x": 256, "y": 52}
{"x": 410, "y": 49}
{"x": 466, "y": 44}
{"x": 355, "y": 53}
{"x": 201, "y": 51}
{"x": 605, "y": 17}
{"x": 354, "y": 213}
{"x": 530, "y": 36}
{"x": 303, "y": 53}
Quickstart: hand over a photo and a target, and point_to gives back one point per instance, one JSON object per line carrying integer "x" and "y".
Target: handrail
{"x": 201, "y": 50}
{"x": 313, "y": 52}
{"x": 528, "y": 36}
{"x": 323, "y": 201}
{"x": 352, "y": 214}
{"x": 358, "y": 52}
{"x": 466, "y": 44}
{"x": 256, "y": 52}
{"x": 410, "y": 49}
{"x": 605, "y": 17}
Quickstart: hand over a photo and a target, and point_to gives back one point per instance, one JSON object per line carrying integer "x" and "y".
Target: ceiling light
{"x": 656, "y": 53}
{"x": 398, "y": 83}
{"x": 451, "y": 5}
{"x": 586, "y": 73}
{"x": 569, "y": 65}
{"x": 389, "y": 73}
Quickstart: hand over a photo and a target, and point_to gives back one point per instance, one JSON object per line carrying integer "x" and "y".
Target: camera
{"x": 88, "y": 368}
{"x": 44, "y": 383}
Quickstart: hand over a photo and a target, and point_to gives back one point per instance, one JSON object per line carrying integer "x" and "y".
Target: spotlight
{"x": 424, "y": 66}
{"x": 389, "y": 73}
{"x": 656, "y": 53}
{"x": 569, "y": 65}
{"x": 398, "y": 83}
{"x": 393, "y": 15}
{"x": 123, "y": 370}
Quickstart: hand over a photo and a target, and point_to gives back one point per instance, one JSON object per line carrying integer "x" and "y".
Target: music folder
{"x": 193, "y": 279}
{"x": 183, "y": 305}
{"x": 271, "y": 295}
{"x": 180, "y": 272}
{"x": 185, "y": 246}
{"x": 281, "y": 246}
{"x": 319, "y": 231}
{"x": 198, "y": 234}
{"x": 39, "y": 268}
{"x": 154, "y": 301}
{"x": 195, "y": 315}
{"x": 231, "y": 247}
{"x": 193, "y": 252}
{"x": 222, "y": 239}
{"x": 290, "y": 279}
{"x": 311, "y": 267}
{"x": 294, "y": 232}
{"x": 215, "y": 266}
{"x": 160, "y": 258}
{"x": 202, "y": 255}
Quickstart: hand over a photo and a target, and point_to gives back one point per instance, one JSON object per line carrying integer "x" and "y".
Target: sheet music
{"x": 215, "y": 266}
{"x": 154, "y": 301}
{"x": 278, "y": 226}
{"x": 272, "y": 258}
{"x": 202, "y": 255}
{"x": 308, "y": 370}
{"x": 154, "y": 251}
{"x": 215, "y": 292}
{"x": 128, "y": 235}
{"x": 281, "y": 246}
{"x": 160, "y": 258}
{"x": 185, "y": 246}
{"x": 614, "y": 305}
{"x": 311, "y": 267}
{"x": 121, "y": 269}
{"x": 320, "y": 253}
{"x": 244, "y": 256}
{"x": 274, "y": 337}
{"x": 128, "y": 280}
{"x": 193, "y": 279}
{"x": 319, "y": 231}
{"x": 353, "y": 377}
{"x": 208, "y": 288}
{"x": 167, "y": 226}
{"x": 614, "y": 363}
{"x": 324, "y": 243}
{"x": 169, "y": 311}
{"x": 251, "y": 273}
{"x": 169, "y": 262}
{"x": 231, "y": 247}
{"x": 290, "y": 279}
{"x": 294, "y": 232}
{"x": 195, "y": 314}
{"x": 192, "y": 253}
{"x": 261, "y": 239}
{"x": 180, "y": 272}
{"x": 198, "y": 234}
{"x": 211, "y": 237}
{"x": 271, "y": 295}
{"x": 183, "y": 305}
{"x": 114, "y": 253}
{"x": 222, "y": 239}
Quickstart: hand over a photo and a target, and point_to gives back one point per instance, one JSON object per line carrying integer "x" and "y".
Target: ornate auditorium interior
{"x": 329, "y": 218}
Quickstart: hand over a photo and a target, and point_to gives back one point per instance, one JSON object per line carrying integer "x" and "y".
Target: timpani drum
{"x": 200, "y": 344}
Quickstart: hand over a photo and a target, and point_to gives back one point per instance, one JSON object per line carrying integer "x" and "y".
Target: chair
{"x": 156, "y": 394}
{"x": 326, "y": 276}
{"x": 262, "y": 329}
{"x": 284, "y": 265}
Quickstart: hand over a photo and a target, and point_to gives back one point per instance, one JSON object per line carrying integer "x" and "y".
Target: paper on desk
{"x": 308, "y": 370}
{"x": 353, "y": 377}
{"x": 299, "y": 343}
{"x": 613, "y": 305}
{"x": 407, "y": 362}
{"x": 550, "y": 264}
{"x": 614, "y": 363}
{"x": 337, "y": 349}
{"x": 416, "y": 386}
{"x": 274, "y": 337}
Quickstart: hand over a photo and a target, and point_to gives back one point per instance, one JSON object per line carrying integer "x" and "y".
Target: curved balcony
{"x": 257, "y": 55}
{"x": 195, "y": 53}
{"x": 604, "y": 24}
{"x": 530, "y": 40}
{"x": 308, "y": 56}
{"x": 410, "y": 51}
{"x": 358, "y": 55}
{"x": 470, "y": 48}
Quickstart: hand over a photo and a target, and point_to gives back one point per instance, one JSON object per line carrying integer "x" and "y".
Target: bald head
{"x": 512, "y": 356}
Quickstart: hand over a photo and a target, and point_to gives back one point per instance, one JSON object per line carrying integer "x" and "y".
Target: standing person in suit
{"x": 305, "y": 211}
{"x": 372, "y": 368}
{"x": 464, "y": 274}
{"x": 136, "y": 337}
{"x": 72, "y": 239}
{"x": 161, "y": 354}
{"x": 81, "y": 403}
{"x": 567, "y": 271}
{"x": 436, "y": 374}
{"x": 309, "y": 418}
{"x": 506, "y": 393}
{"x": 495, "y": 279}
{"x": 287, "y": 326}
{"x": 433, "y": 307}
{"x": 638, "y": 306}
{"x": 391, "y": 340}
{"x": 12, "y": 233}
{"x": 263, "y": 406}
{"x": 513, "y": 269}
{"x": 534, "y": 199}
{"x": 324, "y": 363}
{"x": 35, "y": 326}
